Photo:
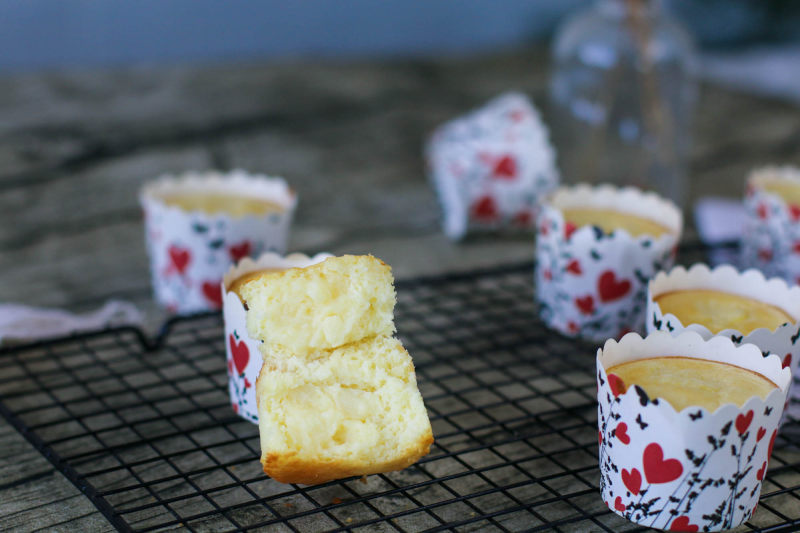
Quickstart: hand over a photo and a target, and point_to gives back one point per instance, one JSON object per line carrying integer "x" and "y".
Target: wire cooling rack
{"x": 146, "y": 431}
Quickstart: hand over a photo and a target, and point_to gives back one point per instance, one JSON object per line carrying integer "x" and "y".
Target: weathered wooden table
{"x": 75, "y": 147}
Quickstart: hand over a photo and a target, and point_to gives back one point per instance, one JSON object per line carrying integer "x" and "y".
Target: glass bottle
{"x": 622, "y": 91}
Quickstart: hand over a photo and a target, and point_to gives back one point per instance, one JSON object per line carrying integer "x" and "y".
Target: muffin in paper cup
{"x": 591, "y": 283}
{"x": 771, "y": 237}
{"x": 231, "y": 216}
{"x": 781, "y": 341}
{"x": 492, "y": 167}
{"x": 244, "y": 357}
{"x": 688, "y": 470}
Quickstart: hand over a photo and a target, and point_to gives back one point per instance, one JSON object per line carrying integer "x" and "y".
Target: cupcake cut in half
{"x": 337, "y": 394}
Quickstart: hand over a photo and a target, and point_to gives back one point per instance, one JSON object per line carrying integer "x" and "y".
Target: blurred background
{"x": 762, "y": 35}
{"x": 338, "y": 96}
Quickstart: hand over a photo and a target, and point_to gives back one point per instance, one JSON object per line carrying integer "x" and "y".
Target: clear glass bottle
{"x": 622, "y": 91}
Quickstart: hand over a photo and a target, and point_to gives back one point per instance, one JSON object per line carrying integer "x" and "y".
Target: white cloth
{"x": 25, "y": 323}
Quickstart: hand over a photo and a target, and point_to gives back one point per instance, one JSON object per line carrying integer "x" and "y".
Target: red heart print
{"x": 517, "y": 115}
{"x": 760, "y": 473}
{"x": 765, "y": 254}
{"x": 574, "y": 267}
{"x": 235, "y": 408}
{"x": 794, "y": 212}
{"x": 484, "y": 209}
{"x": 623, "y": 332}
{"x": 247, "y": 383}
{"x": 762, "y": 211}
{"x": 632, "y": 480}
{"x": 547, "y": 274}
{"x": 523, "y": 218}
{"x": 622, "y": 433}
{"x": 585, "y": 304}
{"x": 213, "y": 293}
{"x": 610, "y": 288}
{"x": 743, "y": 421}
{"x": 572, "y": 327}
{"x": 617, "y": 385}
{"x": 239, "y": 251}
{"x": 787, "y": 360}
{"x": 760, "y": 434}
{"x": 771, "y": 444}
{"x": 544, "y": 228}
{"x": 682, "y": 524}
{"x": 656, "y": 468}
{"x": 240, "y": 352}
{"x": 796, "y": 247}
{"x": 569, "y": 229}
{"x": 618, "y": 505}
{"x": 599, "y": 437}
{"x": 505, "y": 168}
{"x": 179, "y": 258}
{"x": 230, "y": 367}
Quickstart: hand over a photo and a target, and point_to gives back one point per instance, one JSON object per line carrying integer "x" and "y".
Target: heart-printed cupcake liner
{"x": 783, "y": 341}
{"x": 771, "y": 237}
{"x": 594, "y": 285}
{"x": 191, "y": 250}
{"x": 492, "y": 166}
{"x": 691, "y": 470}
{"x": 243, "y": 354}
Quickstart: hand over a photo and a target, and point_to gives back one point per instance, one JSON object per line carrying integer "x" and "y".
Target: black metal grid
{"x": 146, "y": 432}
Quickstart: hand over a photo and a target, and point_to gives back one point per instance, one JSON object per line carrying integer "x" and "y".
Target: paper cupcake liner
{"x": 674, "y": 470}
{"x": 190, "y": 250}
{"x": 243, "y": 354}
{"x": 491, "y": 167}
{"x": 593, "y": 285}
{"x": 771, "y": 237}
{"x": 783, "y": 341}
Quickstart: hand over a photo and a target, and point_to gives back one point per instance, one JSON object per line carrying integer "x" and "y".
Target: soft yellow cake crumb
{"x": 335, "y": 302}
{"x": 236, "y": 286}
{"x": 686, "y": 382}
{"x": 337, "y": 395}
{"x": 718, "y": 310}
{"x": 354, "y": 410}
{"x": 609, "y": 220}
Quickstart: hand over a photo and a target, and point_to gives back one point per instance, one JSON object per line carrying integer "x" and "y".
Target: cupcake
{"x": 771, "y": 237}
{"x": 743, "y": 306}
{"x": 686, "y": 428}
{"x": 244, "y": 357}
{"x": 199, "y": 224}
{"x": 596, "y": 249}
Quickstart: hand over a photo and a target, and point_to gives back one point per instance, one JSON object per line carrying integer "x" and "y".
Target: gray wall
{"x": 67, "y": 33}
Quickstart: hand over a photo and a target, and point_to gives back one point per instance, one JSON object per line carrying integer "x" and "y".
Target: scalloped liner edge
{"x": 624, "y": 199}
{"x": 271, "y": 188}
{"x": 723, "y": 278}
{"x": 633, "y": 347}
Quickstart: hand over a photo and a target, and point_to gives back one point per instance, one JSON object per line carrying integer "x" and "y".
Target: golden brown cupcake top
{"x": 789, "y": 191}
{"x": 218, "y": 202}
{"x": 686, "y": 382}
{"x": 609, "y": 220}
{"x": 717, "y": 310}
{"x": 236, "y": 286}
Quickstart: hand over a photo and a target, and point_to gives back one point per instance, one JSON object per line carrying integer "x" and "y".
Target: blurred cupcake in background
{"x": 200, "y": 223}
{"x": 596, "y": 249}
